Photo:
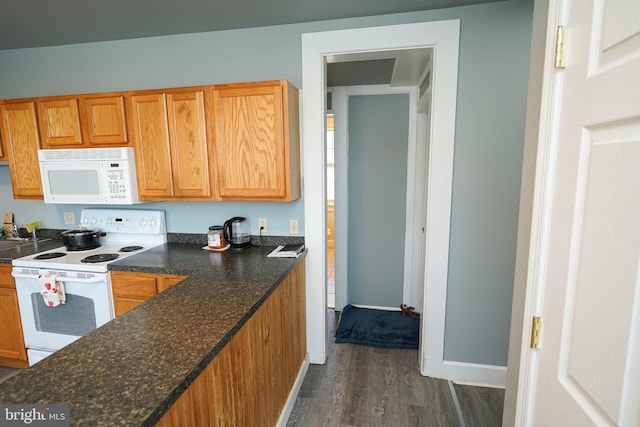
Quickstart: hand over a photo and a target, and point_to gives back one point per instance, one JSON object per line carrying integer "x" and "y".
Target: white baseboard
{"x": 291, "y": 400}
{"x": 479, "y": 384}
{"x": 466, "y": 373}
{"x": 475, "y": 374}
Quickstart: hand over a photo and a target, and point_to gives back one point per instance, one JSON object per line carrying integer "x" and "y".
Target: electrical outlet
{"x": 262, "y": 225}
{"x": 293, "y": 226}
{"x": 69, "y": 218}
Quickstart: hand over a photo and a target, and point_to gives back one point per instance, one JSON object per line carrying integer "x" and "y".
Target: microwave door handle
{"x": 95, "y": 279}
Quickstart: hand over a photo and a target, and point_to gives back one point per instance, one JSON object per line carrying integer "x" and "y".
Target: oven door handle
{"x": 94, "y": 279}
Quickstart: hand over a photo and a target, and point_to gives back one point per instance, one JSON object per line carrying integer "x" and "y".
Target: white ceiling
{"x": 37, "y": 23}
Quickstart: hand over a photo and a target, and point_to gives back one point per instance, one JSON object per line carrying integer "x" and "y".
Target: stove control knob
{"x": 152, "y": 223}
{"x": 143, "y": 222}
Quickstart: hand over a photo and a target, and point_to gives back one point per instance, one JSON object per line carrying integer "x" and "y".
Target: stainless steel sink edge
{"x": 19, "y": 242}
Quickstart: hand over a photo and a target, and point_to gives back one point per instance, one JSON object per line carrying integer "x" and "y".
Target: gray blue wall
{"x": 494, "y": 59}
{"x": 492, "y": 93}
{"x": 378, "y": 139}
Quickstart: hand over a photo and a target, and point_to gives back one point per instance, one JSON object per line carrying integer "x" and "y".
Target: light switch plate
{"x": 293, "y": 226}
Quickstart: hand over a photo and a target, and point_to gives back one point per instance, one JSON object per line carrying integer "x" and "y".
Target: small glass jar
{"x": 215, "y": 237}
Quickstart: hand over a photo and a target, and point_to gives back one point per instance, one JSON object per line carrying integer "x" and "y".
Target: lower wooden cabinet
{"x": 12, "y": 349}
{"x": 249, "y": 381}
{"x": 131, "y": 289}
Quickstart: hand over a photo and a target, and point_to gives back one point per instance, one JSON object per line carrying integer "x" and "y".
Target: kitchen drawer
{"x": 133, "y": 284}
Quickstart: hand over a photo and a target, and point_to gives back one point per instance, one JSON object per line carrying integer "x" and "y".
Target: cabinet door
{"x": 59, "y": 122}
{"x": 19, "y": 132}
{"x": 3, "y": 152}
{"x": 131, "y": 289}
{"x": 250, "y": 146}
{"x": 11, "y": 340}
{"x": 188, "y": 142}
{"x": 123, "y": 304}
{"x": 103, "y": 120}
{"x": 140, "y": 285}
{"x": 150, "y": 137}
{"x": 257, "y": 141}
{"x": 166, "y": 281}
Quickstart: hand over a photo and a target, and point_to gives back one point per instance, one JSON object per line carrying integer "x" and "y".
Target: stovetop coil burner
{"x": 86, "y": 248}
{"x": 50, "y": 255}
{"x": 99, "y": 258}
{"x": 130, "y": 248}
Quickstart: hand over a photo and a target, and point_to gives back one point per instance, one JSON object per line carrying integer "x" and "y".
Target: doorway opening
{"x": 443, "y": 37}
{"x": 367, "y": 177}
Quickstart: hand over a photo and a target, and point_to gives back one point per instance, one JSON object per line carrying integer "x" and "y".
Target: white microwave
{"x": 89, "y": 176}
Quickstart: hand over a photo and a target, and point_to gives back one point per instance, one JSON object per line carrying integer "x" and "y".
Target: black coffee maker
{"x": 237, "y": 232}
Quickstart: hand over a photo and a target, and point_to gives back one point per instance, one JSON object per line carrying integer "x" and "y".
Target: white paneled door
{"x": 588, "y": 371}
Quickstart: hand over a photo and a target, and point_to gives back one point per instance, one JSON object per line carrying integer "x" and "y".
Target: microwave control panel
{"x": 118, "y": 179}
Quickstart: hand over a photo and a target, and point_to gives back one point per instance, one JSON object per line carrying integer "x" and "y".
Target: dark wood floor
{"x": 366, "y": 386}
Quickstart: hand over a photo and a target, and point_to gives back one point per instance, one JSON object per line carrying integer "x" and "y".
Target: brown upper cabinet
{"x": 21, "y": 139}
{"x": 3, "y": 152}
{"x": 103, "y": 120}
{"x": 169, "y": 135}
{"x": 82, "y": 121}
{"x": 232, "y": 142}
{"x": 59, "y": 120}
{"x": 257, "y": 141}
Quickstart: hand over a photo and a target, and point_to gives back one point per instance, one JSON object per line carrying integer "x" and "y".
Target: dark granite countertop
{"x": 131, "y": 370}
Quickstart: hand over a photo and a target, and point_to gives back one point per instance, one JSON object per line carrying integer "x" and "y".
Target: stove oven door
{"x": 89, "y": 304}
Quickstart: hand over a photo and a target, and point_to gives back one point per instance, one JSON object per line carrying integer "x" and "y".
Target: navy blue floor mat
{"x": 377, "y": 328}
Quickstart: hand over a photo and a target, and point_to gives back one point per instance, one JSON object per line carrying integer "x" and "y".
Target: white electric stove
{"x": 128, "y": 232}
{"x": 83, "y": 276}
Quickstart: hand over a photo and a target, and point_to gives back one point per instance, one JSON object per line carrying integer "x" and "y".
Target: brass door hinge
{"x": 536, "y": 326}
{"x": 561, "y": 45}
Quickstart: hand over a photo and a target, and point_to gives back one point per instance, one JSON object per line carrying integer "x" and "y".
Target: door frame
{"x": 543, "y": 102}
{"x": 443, "y": 36}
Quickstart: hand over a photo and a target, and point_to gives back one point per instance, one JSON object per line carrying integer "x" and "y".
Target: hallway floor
{"x": 367, "y": 386}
